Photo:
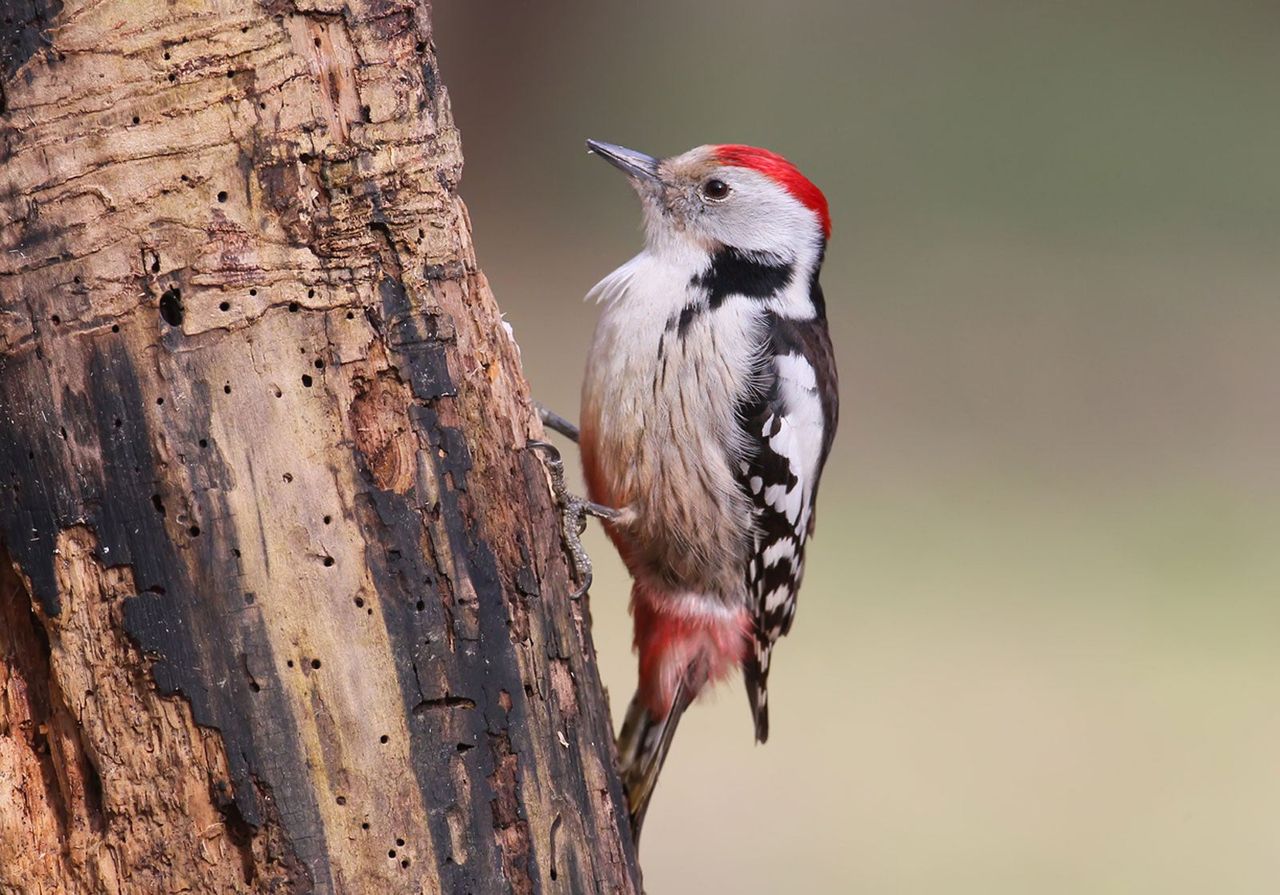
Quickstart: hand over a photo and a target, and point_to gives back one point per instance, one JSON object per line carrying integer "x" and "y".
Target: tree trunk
{"x": 283, "y": 604}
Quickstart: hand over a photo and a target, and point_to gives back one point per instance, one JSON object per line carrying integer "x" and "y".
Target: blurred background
{"x": 1038, "y": 647}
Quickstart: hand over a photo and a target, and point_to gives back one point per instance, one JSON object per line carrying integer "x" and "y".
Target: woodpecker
{"x": 708, "y": 410}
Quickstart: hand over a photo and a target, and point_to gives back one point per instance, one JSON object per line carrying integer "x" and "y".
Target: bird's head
{"x": 718, "y": 196}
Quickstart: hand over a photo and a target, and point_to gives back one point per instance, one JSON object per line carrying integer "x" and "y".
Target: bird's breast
{"x": 660, "y": 436}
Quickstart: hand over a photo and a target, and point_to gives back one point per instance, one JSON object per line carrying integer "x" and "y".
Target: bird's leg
{"x": 556, "y": 423}
{"x": 574, "y": 511}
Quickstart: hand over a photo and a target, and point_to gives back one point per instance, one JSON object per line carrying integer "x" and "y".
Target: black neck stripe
{"x": 734, "y": 272}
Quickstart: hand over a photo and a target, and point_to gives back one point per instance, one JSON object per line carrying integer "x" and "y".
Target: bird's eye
{"x": 715, "y": 190}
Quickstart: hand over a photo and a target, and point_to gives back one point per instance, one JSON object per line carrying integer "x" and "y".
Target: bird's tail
{"x": 642, "y": 748}
{"x": 755, "y": 672}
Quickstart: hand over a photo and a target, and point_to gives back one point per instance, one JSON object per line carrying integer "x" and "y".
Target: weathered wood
{"x": 282, "y": 597}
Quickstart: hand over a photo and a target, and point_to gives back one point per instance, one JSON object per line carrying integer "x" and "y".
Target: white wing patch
{"x": 776, "y": 497}
{"x": 803, "y": 424}
{"x": 776, "y": 598}
{"x": 778, "y": 551}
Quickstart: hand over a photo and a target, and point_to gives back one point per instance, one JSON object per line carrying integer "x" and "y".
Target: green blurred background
{"x": 1038, "y": 650}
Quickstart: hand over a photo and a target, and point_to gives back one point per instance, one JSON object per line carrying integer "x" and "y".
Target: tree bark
{"x": 283, "y": 604}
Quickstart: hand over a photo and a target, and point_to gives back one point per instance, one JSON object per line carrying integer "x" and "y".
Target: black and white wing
{"x": 790, "y": 427}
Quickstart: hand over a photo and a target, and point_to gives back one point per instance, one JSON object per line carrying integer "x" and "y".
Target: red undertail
{"x": 683, "y": 644}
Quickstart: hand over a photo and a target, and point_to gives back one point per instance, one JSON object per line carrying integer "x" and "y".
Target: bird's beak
{"x": 635, "y": 164}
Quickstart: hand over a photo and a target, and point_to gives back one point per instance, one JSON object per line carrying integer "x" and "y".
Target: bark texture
{"x": 282, "y": 599}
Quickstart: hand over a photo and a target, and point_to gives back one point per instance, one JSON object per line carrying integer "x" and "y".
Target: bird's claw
{"x": 574, "y": 511}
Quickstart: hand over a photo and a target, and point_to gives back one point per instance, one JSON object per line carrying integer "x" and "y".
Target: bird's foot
{"x": 574, "y": 511}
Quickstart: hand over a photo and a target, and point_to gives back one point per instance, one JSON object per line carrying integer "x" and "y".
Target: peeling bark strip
{"x": 281, "y": 597}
